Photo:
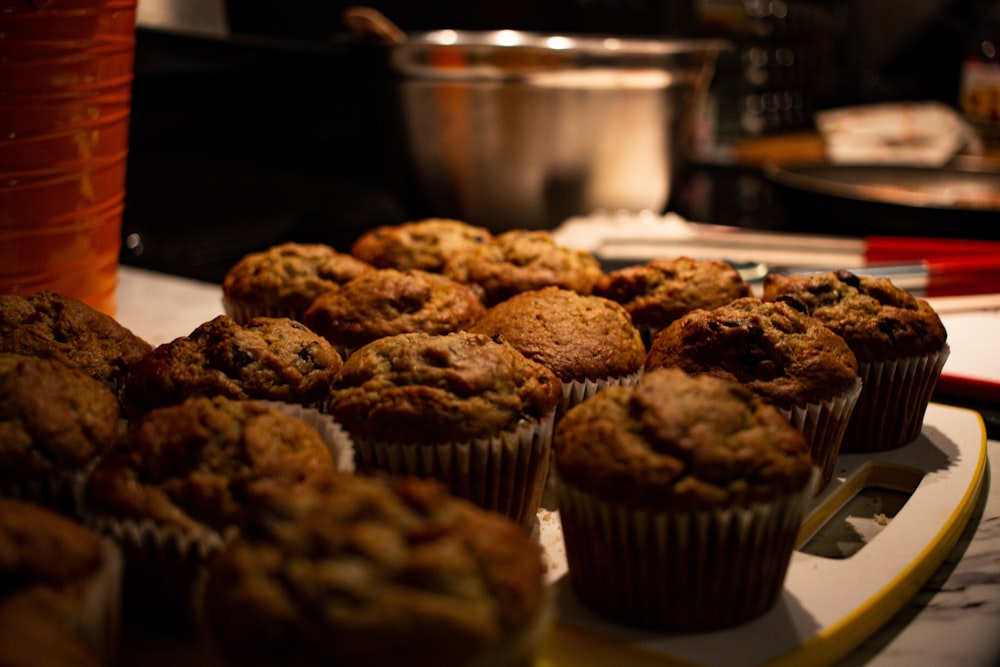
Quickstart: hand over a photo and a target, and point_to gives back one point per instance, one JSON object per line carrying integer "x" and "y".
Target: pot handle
{"x": 370, "y": 24}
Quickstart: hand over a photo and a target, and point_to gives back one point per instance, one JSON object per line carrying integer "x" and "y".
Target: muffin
{"x": 588, "y": 341}
{"x": 56, "y": 326}
{"x": 523, "y": 260}
{"x": 376, "y": 572}
{"x": 658, "y": 292}
{"x": 59, "y": 603}
{"x": 385, "y": 302}
{"x": 783, "y": 355}
{"x": 268, "y": 358}
{"x": 899, "y": 341}
{"x": 462, "y": 408}
{"x": 680, "y": 500}
{"x": 418, "y": 244}
{"x": 285, "y": 279}
{"x": 55, "y": 423}
{"x": 183, "y": 481}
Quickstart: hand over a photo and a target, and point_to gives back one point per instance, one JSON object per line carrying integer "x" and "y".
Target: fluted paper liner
{"x": 96, "y": 621}
{"x": 894, "y": 398}
{"x": 577, "y": 391}
{"x": 574, "y": 393}
{"x": 242, "y": 313}
{"x": 505, "y": 473}
{"x": 59, "y": 492}
{"x": 161, "y": 565}
{"x": 823, "y": 425}
{"x": 679, "y": 570}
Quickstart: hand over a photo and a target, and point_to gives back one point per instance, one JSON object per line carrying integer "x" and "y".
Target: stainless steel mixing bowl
{"x": 510, "y": 129}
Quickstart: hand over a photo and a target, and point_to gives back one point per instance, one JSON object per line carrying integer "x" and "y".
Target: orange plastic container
{"x": 65, "y": 95}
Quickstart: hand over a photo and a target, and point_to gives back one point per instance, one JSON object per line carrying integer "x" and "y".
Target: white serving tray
{"x": 829, "y": 605}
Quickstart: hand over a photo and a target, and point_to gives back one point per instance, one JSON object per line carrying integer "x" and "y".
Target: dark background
{"x": 274, "y": 132}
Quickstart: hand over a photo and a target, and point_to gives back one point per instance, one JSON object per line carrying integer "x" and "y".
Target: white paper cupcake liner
{"x": 679, "y": 570}
{"x": 890, "y": 410}
{"x": 505, "y": 473}
{"x": 242, "y": 313}
{"x": 60, "y": 492}
{"x": 823, "y": 425}
{"x": 577, "y": 391}
{"x": 161, "y": 563}
{"x": 574, "y": 393}
{"x": 97, "y": 621}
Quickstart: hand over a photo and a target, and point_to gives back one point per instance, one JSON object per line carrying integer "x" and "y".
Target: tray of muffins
{"x": 449, "y": 447}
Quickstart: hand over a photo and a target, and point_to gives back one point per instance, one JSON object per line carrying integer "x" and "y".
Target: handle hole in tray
{"x": 854, "y": 514}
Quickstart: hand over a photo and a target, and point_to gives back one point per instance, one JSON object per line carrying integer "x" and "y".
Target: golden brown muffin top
{"x": 273, "y": 358}
{"x": 384, "y": 302}
{"x": 419, "y": 244}
{"x": 40, "y": 546}
{"x": 879, "y": 320}
{"x": 679, "y": 441}
{"x": 522, "y": 260}
{"x": 53, "y": 418}
{"x": 374, "y": 572}
{"x": 290, "y": 275}
{"x": 205, "y": 461}
{"x": 784, "y": 355}
{"x": 56, "y": 326}
{"x": 658, "y": 292}
{"x": 439, "y": 388}
{"x": 577, "y": 336}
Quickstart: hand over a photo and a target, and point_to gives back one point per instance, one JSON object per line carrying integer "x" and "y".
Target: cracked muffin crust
{"x": 782, "y": 354}
{"x": 660, "y": 291}
{"x": 54, "y": 419}
{"x": 877, "y": 319}
{"x": 378, "y": 572}
{"x": 385, "y": 302}
{"x": 439, "y": 388}
{"x": 680, "y": 441}
{"x": 419, "y": 244}
{"x": 575, "y": 335}
{"x": 203, "y": 462}
{"x": 522, "y": 260}
{"x": 56, "y": 326}
{"x": 285, "y": 279}
{"x": 276, "y": 359}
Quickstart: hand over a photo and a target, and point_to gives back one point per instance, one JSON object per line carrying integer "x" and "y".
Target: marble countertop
{"x": 954, "y": 619}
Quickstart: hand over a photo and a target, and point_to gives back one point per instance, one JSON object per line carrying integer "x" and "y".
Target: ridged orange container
{"x": 65, "y": 102}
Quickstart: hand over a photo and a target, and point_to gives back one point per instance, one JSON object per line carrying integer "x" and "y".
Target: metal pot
{"x": 510, "y": 129}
